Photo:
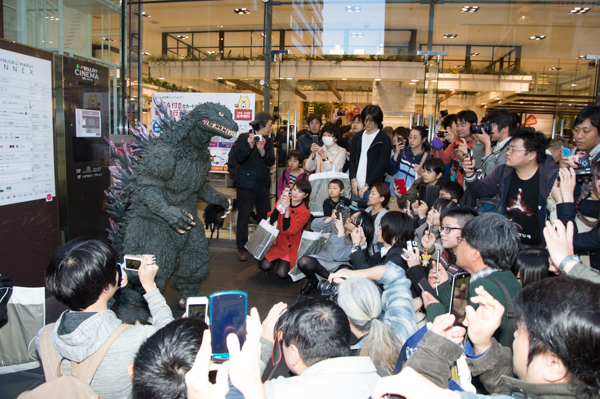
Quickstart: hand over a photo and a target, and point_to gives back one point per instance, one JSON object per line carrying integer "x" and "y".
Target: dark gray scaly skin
{"x": 159, "y": 196}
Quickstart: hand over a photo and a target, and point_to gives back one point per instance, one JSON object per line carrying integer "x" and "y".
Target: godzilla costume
{"x": 153, "y": 204}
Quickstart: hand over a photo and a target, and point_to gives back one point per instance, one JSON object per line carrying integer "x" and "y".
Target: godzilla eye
{"x": 221, "y": 114}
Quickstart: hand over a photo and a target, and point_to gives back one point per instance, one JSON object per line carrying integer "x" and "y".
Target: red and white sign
{"x": 356, "y": 111}
{"x": 48, "y": 197}
{"x": 243, "y": 114}
{"x": 531, "y": 120}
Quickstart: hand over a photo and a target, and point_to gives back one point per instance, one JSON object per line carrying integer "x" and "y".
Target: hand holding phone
{"x": 401, "y": 186}
{"x": 227, "y": 315}
{"x": 197, "y": 306}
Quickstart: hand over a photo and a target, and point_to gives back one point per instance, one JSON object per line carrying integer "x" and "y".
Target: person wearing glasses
{"x": 503, "y": 126}
{"x": 524, "y": 184}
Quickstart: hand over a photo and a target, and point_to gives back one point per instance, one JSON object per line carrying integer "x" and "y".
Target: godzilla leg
{"x": 154, "y": 238}
{"x": 192, "y": 266}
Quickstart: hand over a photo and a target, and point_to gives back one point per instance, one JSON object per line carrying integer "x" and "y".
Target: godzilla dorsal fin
{"x": 165, "y": 119}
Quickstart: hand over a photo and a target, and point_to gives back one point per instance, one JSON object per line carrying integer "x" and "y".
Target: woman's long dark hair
{"x": 397, "y": 226}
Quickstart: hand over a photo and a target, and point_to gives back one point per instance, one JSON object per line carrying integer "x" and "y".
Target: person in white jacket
{"x": 330, "y": 157}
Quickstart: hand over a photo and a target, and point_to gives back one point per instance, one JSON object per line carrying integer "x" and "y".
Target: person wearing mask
{"x": 330, "y": 157}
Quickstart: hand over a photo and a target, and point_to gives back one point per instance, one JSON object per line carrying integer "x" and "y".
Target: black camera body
{"x": 441, "y": 134}
{"x": 329, "y": 290}
{"x": 584, "y": 168}
{"x": 443, "y": 113}
{"x": 478, "y": 129}
{"x": 343, "y": 211}
{"x": 341, "y": 112}
{"x": 258, "y": 137}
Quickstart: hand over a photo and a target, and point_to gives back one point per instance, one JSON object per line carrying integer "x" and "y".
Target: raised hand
{"x": 484, "y": 321}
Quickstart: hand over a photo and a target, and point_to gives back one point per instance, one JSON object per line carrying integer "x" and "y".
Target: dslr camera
{"x": 441, "y": 134}
{"x": 343, "y": 211}
{"x": 477, "y": 129}
{"x": 328, "y": 290}
{"x": 584, "y": 167}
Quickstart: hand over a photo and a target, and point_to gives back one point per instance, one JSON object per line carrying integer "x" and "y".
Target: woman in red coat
{"x": 291, "y": 215}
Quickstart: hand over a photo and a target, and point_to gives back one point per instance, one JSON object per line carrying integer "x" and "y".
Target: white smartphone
{"x": 197, "y": 306}
{"x": 409, "y": 246}
{"x": 132, "y": 262}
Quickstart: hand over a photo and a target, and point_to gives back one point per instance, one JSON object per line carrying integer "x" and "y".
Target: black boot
{"x": 308, "y": 288}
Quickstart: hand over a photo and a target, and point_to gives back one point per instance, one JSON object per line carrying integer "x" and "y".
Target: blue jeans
{"x": 364, "y": 199}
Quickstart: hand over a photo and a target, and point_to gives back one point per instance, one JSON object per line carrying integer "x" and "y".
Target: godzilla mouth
{"x": 219, "y": 127}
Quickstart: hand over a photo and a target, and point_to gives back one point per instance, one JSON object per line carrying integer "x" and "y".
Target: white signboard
{"x": 87, "y": 123}
{"x": 26, "y": 129}
{"x": 241, "y": 106}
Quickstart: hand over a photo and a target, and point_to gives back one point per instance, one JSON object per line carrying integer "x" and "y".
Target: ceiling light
{"x": 580, "y": 10}
{"x": 344, "y": 78}
{"x": 211, "y": 52}
{"x": 352, "y": 8}
{"x": 182, "y": 37}
{"x": 459, "y": 66}
{"x": 219, "y": 78}
{"x": 414, "y": 80}
{"x": 434, "y": 80}
{"x": 377, "y": 80}
{"x": 542, "y": 37}
{"x": 474, "y": 54}
{"x": 412, "y": 83}
{"x": 555, "y": 69}
{"x": 470, "y": 9}
{"x": 290, "y": 78}
{"x": 146, "y": 53}
{"x": 450, "y": 36}
{"x": 107, "y": 39}
{"x": 497, "y": 98}
{"x": 161, "y": 78}
{"x": 581, "y": 57}
{"x": 241, "y": 11}
{"x": 190, "y": 87}
{"x": 573, "y": 85}
{"x": 356, "y": 34}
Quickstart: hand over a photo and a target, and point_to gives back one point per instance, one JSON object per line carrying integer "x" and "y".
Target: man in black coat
{"x": 253, "y": 152}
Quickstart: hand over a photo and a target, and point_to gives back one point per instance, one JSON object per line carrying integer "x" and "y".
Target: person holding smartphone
{"x": 84, "y": 275}
{"x": 329, "y": 157}
{"x": 291, "y": 215}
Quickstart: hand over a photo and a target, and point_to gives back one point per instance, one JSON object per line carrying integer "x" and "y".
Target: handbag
{"x": 312, "y": 242}
{"x": 262, "y": 239}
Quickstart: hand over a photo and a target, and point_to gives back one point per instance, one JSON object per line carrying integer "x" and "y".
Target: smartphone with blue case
{"x": 228, "y": 312}
{"x": 566, "y": 152}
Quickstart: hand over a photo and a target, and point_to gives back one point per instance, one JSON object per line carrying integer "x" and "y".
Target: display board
{"x": 30, "y": 230}
{"x": 26, "y": 129}
{"x": 241, "y": 106}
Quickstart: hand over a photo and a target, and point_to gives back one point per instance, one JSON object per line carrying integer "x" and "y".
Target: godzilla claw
{"x": 229, "y": 209}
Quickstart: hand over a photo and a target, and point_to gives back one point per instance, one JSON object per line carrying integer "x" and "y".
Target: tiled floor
{"x": 226, "y": 273}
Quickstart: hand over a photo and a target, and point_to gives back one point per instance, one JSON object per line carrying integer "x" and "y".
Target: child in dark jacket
{"x": 335, "y": 189}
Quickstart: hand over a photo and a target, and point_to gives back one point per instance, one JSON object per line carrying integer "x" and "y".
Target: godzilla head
{"x": 214, "y": 120}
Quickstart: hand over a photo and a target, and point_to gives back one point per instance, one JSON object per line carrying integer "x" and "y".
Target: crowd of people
{"x": 476, "y": 291}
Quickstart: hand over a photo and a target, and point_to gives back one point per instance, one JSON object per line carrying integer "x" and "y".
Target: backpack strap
{"x": 511, "y": 315}
{"x": 48, "y": 354}
{"x": 86, "y": 370}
